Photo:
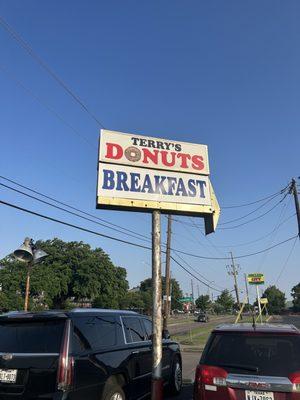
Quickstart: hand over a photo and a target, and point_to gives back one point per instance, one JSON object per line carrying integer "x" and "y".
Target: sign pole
{"x": 157, "y": 382}
{"x": 259, "y": 305}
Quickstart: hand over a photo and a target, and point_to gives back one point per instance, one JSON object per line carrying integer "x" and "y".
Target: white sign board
{"x": 141, "y": 173}
{"x": 149, "y": 152}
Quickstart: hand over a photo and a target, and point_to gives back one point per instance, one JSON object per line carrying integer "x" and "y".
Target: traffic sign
{"x": 186, "y": 300}
{"x": 264, "y": 300}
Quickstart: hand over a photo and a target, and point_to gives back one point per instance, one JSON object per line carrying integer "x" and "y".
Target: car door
{"x": 139, "y": 362}
{"x": 166, "y": 351}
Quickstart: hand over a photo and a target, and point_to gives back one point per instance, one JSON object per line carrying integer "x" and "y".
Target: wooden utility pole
{"x": 293, "y": 189}
{"x": 167, "y": 305}
{"x": 157, "y": 382}
{"x": 232, "y": 270}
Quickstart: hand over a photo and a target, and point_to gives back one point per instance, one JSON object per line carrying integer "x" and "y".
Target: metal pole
{"x": 295, "y": 193}
{"x": 258, "y": 302}
{"x": 167, "y": 275}
{"x": 157, "y": 382}
{"x": 27, "y": 287}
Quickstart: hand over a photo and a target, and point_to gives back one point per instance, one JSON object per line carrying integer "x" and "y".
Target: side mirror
{"x": 166, "y": 334}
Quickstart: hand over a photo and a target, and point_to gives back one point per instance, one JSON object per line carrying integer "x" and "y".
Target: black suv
{"x": 88, "y": 354}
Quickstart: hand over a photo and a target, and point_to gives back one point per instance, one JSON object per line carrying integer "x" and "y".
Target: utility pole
{"x": 232, "y": 270}
{"x": 168, "y": 275}
{"x": 247, "y": 290}
{"x": 192, "y": 285}
{"x": 156, "y": 382}
{"x": 198, "y": 291}
{"x": 293, "y": 189}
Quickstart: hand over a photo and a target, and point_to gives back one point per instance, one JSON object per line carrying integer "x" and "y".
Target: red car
{"x": 242, "y": 362}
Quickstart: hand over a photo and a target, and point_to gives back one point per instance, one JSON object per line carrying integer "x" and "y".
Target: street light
{"x": 28, "y": 253}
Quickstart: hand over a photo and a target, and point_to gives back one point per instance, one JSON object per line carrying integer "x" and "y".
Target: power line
{"x": 44, "y": 104}
{"x": 73, "y": 225}
{"x": 135, "y": 244}
{"x": 71, "y": 207}
{"x": 252, "y": 212}
{"x": 14, "y": 34}
{"x": 194, "y": 276}
{"x": 256, "y": 201}
{"x": 256, "y": 218}
{"x": 286, "y": 261}
{"x": 71, "y": 212}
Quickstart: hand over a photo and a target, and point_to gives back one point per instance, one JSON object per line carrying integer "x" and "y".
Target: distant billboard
{"x": 141, "y": 173}
{"x": 256, "y": 279}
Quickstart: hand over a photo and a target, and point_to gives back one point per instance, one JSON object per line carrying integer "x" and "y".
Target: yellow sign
{"x": 256, "y": 279}
{"x": 264, "y": 300}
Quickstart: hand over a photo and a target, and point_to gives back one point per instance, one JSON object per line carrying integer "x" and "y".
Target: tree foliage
{"x": 72, "y": 273}
{"x": 225, "y": 301}
{"x": 276, "y": 299}
{"x": 203, "y": 302}
{"x": 296, "y": 297}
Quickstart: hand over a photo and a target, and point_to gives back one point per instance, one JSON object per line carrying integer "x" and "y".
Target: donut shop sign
{"x": 141, "y": 173}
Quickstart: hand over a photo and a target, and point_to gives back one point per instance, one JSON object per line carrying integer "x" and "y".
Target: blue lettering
{"x": 135, "y": 182}
{"x": 192, "y": 188}
{"x": 122, "y": 181}
{"x": 159, "y": 187}
{"x": 108, "y": 179}
{"x": 171, "y": 185}
{"x": 181, "y": 188}
{"x": 202, "y": 185}
{"x": 147, "y": 185}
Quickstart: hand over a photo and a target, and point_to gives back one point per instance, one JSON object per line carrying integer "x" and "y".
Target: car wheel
{"x": 175, "y": 382}
{"x": 113, "y": 391}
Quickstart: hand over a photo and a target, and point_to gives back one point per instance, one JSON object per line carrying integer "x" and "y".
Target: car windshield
{"x": 268, "y": 354}
{"x": 31, "y": 337}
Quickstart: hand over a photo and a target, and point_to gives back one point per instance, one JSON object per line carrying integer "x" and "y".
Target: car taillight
{"x": 295, "y": 379}
{"x": 66, "y": 363}
{"x": 209, "y": 375}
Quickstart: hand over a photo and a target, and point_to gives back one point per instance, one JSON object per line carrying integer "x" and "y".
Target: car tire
{"x": 113, "y": 391}
{"x": 175, "y": 381}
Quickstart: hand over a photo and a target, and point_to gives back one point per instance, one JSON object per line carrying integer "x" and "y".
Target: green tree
{"x": 176, "y": 292}
{"x": 72, "y": 273}
{"x": 276, "y": 299}
{"x": 225, "y": 301}
{"x": 296, "y": 297}
{"x": 203, "y": 302}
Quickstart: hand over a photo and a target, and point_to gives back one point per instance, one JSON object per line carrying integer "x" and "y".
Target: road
{"x": 190, "y": 360}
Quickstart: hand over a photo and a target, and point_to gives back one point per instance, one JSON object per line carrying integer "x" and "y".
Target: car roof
{"x": 262, "y": 328}
{"x": 62, "y": 314}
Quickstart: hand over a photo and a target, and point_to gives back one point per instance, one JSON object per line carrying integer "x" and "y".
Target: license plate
{"x": 8, "y": 375}
{"x": 256, "y": 395}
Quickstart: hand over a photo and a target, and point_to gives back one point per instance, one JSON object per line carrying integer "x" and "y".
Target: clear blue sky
{"x": 223, "y": 73}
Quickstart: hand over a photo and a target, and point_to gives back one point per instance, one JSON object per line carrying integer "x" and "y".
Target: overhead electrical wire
{"x": 44, "y": 104}
{"x": 72, "y": 213}
{"x": 253, "y": 211}
{"x": 15, "y": 35}
{"x": 71, "y": 207}
{"x": 135, "y": 244}
{"x": 256, "y": 201}
{"x": 286, "y": 261}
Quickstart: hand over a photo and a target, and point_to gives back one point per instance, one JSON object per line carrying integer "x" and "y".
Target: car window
{"x": 274, "y": 355}
{"x": 134, "y": 330}
{"x": 31, "y": 337}
{"x": 94, "y": 332}
{"x": 148, "y": 327}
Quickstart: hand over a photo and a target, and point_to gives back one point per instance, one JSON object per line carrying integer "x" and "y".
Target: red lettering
{"x": 150, "y": 154}
{"x": 197, "y": 162}
{"x": 113, "y": 151}
{"x": 184, "y": 157}
{"x": 164, "y": 158}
